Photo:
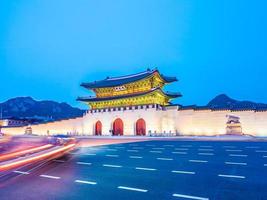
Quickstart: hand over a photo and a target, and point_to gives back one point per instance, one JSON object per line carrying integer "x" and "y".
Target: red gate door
{"x": 140, "y": 127}
{"x": 118, "y": 127}
{"x": 98, "y": 128}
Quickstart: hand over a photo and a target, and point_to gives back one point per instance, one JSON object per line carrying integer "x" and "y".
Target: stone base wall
{"x": 166, "y": 121}
{"x": 69, "y": 126}
{"x": 208, "y": 122}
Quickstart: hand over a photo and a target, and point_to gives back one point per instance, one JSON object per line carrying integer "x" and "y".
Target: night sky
{"x": 48, "y": 47}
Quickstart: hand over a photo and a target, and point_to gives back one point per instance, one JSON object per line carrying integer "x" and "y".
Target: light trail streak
{"x": 23, "y": 152}
{"x": 33, "y": 158}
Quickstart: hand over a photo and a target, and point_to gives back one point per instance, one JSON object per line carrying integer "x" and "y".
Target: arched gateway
{"x": 140, "y": 127}
{"x": 98, "y": 128}
{"x": 117, "y": 127}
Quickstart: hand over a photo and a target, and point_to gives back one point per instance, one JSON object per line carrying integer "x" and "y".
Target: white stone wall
{"x": 158, "y": 121}
{"x": 57, "y": 127}
{"x": 207, "y": 122}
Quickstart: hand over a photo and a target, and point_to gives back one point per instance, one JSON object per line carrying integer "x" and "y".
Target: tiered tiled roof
{"x": 121, "y": 80}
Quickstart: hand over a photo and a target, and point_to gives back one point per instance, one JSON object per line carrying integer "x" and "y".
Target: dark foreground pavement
{"x": 147, "y": 170}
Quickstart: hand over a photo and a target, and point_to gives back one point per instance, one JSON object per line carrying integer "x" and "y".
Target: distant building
{"x": 137, "y": 105}
{"x": 233, "y": 125}
{"x": 13, "y": 122}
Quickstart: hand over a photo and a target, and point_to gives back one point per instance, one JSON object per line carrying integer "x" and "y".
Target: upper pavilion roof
{"x": 168, "y": 94}
{"x": 121, "y": 80}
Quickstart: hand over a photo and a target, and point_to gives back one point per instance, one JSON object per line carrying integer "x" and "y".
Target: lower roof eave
{"x": 95, "y": 99}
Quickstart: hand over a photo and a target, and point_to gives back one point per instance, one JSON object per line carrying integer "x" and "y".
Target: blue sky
{"x": 47, "y": 48}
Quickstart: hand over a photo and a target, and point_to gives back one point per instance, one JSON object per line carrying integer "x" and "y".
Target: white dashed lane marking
{"x": 145, "y": 169}
{"x": 155, "y": 151}
{"x": 235, "y": 163}
{"x": 158, "y": 148}
{"x": 181, "y": 149}
{"x": 198, "y": 161}
{"x": 114, "y": 166}
{"x": 115, "y": 156}
{"x": 48, "y": 176}
{"x": 183, "y": 172}
{"x": 265, "y": 165}
{"x": 132, "y": 189}
{"x": 73, "y": 153}
{"x": 21, "y": 172}
{"x": 164, "y": 158}
{"x": 261, "y": 151}
{"x": 229, "y": 147}
{"x": 231, "y": 176}
{"x": 189, "y": 197}
{"x": 84, "y": 163}
{"x": 85, "y": 182}
{"x": 233, "y": 150}
{"x": 252, "y": 147}
{"x": 90, "y": 154}
{"x": 111, "y": 150}
{"x": 132, "y": 150}
{"x": 176, "y": 152}
{"x": 138, "y": 147}
{"x": 59, "y": 161}
{"x": 205, "y": 146}
{"x": 168, "y": 145}
{"x": 136, "y": 157}
{"x": 206, "y": 154}
{"x": 238, "y": 155}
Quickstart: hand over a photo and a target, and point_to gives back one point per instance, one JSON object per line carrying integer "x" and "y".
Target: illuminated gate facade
{"x": 139, "y": 91}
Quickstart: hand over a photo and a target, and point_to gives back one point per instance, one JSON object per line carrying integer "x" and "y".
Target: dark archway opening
{"x": 117, "y": 127}
{"x": 140, "y": 127}
{"x": 98, "y": 128}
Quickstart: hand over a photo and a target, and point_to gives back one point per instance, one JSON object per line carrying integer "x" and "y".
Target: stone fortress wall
{"x": 208, "y": 122}
{"x": 169, "y": 121}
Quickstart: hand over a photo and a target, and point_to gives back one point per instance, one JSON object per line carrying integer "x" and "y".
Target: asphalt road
{"x": 147, "y": 170}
